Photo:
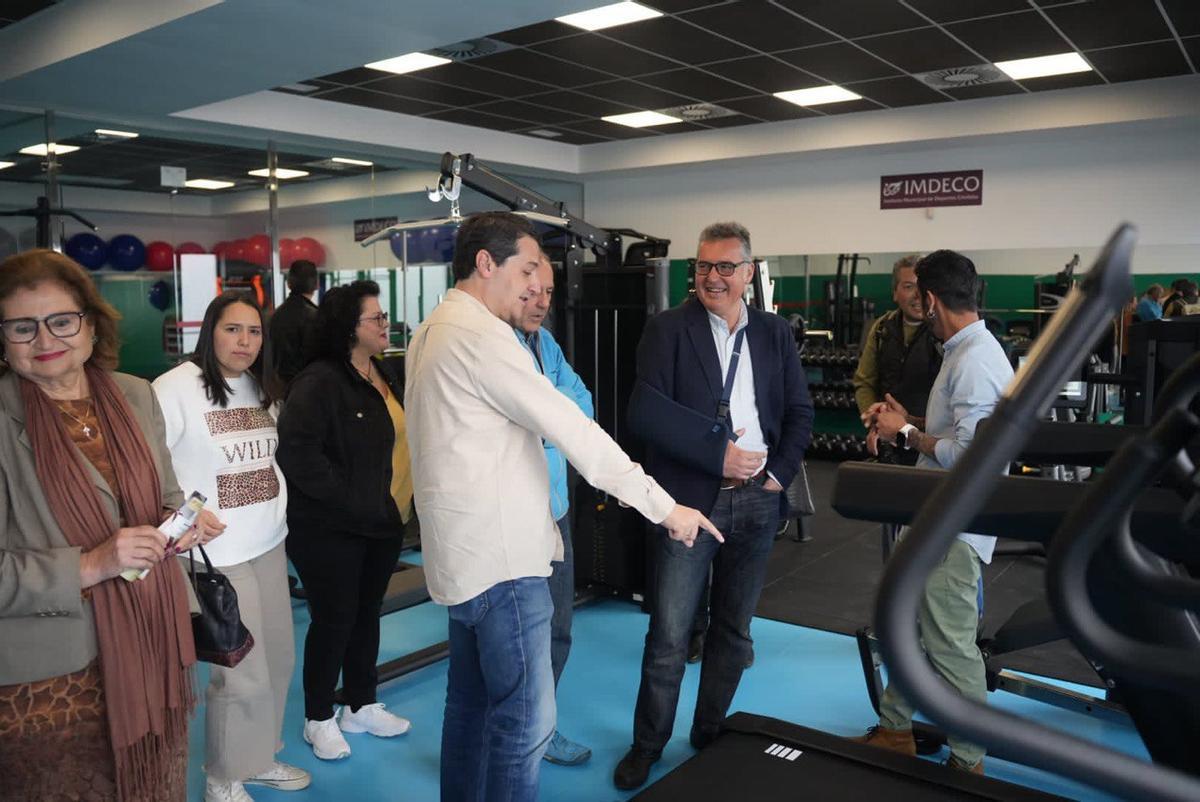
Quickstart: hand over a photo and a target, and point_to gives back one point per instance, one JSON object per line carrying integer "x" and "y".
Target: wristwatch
{"x": 904, "y": 437}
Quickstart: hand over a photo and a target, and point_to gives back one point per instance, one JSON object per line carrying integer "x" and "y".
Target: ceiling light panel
{"x": 207, "y": 183}
{"x": 280, "y": 172}
{"x": 641, "y": 119}
{"x": 109, "y": 132}
{"x": 409, "y": 62}
{"x": 352, "y": 162}
{"x": 6, "y": 165}
{"x": 815, "y": 96}
{"x": 609, "y": 16}
{"x": 41, "y": 150}
{"x": 1041, "y": 66}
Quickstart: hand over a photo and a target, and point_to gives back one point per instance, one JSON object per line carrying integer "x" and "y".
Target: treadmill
{"x": 758, "y": 759}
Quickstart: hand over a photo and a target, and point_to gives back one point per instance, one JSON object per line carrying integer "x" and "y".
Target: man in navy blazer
{"x": 738, "y": 471}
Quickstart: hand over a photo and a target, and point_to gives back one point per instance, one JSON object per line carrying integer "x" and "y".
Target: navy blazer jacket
{"x": 678, "y": 358}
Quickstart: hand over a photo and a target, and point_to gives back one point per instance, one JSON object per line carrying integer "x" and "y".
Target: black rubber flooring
{"x": 829, "y": 583}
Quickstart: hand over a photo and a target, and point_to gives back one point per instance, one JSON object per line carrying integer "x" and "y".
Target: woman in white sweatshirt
{"x": 220, "y": 429}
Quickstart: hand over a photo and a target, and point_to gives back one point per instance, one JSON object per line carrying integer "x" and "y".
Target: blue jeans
{"x": 747, "y": 517}
{"x": 562, "y": 593}
{"x": 500, "y": 694}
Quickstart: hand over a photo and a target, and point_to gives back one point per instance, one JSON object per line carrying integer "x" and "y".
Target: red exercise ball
{"x": 287, "y": 253}
{"x": 221, "y": 248}
{"x": 190, "y": 247}
{"x": 160, "y": 255}
{"x": 258, "y": 250}
{"x": 311, "y": 250}
{"x": 237, "y": 250}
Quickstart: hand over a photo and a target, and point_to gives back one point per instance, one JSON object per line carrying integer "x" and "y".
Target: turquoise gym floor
{"x": 804, "y": 675}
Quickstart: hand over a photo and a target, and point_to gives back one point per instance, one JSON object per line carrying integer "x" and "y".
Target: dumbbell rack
{"x": 837, "y": 430}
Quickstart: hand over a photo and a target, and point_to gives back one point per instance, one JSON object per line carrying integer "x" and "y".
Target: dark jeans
{"x": 345, "y": 578}
{"x": 562, "y": 593}
{"x": 747, "y": 517}
{"x": 499, "y": 695}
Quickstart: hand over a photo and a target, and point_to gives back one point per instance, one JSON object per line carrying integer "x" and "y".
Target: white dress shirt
{"x": 477, "y": 411}
{"x": 743, "y": 405}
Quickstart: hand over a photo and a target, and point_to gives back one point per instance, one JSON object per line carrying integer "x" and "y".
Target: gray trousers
{"x": 949, "y": 621}
{"x": 244, "y": 715}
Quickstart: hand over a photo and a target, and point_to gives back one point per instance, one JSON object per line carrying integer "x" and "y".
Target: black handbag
{"x": 221, "y": 637}
{"x": 799, "y": 496}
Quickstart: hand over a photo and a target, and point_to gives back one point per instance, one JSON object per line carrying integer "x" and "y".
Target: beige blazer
{"x": 46, "y": 626}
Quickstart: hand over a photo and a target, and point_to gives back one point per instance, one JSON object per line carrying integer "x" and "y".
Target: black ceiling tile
{"x": 1011, "y": 36}
{"x": 1184, "y": 15}
{"x": 838, "y": 63}
{"x": 759, "y": 24}
{"x": 732, "y": 121}
{"x": 1068, "y": 81}
{"x": 538, "y": 32}
{"x": 1105, "y": 23}
{"x": 920, "y": 51}
{"x": 768, "y": 108}
{"x": 984, "y": 90}
{"x": 951, "y": 10}
{"x": 566, "y": 135}
{"x": 479, "y": 119}
{"x": 580, "y": 104}
{"x": 377, "y": 100}
{"x": 539, "y": 67}
{"x": 637, "y": 95}
{"x": 609, "y": 130}
{"x": 852, "y": 18}
{"x": 902, "y": 91}
{"x": 526, "y": 111}
{"x": 1139, "y": 62}
{"x": 679, "y": 6}
{"x": 676, "y": 39}
{"x": 469, "y": 77}
{"x": 696, "y": 84}
{"x": 408, "y": 86}
{"x": 358, "y": 75}
{"x": 599, "y": 53}
{"x": 764, "y": 73}
{"x": 1192, "y": 44}
{"x": 849, "y": 106}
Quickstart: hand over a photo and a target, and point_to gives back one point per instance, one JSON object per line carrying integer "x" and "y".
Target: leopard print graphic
{"x": 246, "y": 437}
{"x": 54, "y": 742}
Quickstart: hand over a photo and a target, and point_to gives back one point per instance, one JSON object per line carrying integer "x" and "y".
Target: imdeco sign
{"x": 919, "y": 190}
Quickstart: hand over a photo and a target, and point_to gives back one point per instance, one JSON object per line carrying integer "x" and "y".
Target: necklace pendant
{"x": 87, "y": 431}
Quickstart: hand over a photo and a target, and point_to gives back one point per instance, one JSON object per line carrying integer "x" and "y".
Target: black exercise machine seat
{"x": 1058, "y": 443}
{"x": 1073, "y": 330}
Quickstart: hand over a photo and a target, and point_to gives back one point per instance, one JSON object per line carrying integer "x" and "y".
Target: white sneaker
{"x": 282, "y": 777}
{"x": 225, "y": 792}
{"x": 374, "y": 719}
{"x": 326, "y": 739}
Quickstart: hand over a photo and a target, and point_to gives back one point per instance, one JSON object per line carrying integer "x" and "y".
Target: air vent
{"x": 697, "y": 112}
{"x": 471, "y": 48}
{"x": 962, "y": 76}
{"x": 545, "y": 132}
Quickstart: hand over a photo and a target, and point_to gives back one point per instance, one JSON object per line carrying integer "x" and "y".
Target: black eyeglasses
{"x": 19, "y": 330}
{"x": 379, "y": 319}
{"x": 723, "y": 268}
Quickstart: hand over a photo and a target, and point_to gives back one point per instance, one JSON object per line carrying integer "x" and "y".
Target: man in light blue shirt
{"x": 1150, "y": 307}
{"x": 549, "y": 359}
{"x": 972, "y": 378}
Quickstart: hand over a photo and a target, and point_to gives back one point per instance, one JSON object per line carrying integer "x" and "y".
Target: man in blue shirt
{"x": 1150, "y": 307}
{"x": 548, "y": 357}
{"x": 972, "y": 378}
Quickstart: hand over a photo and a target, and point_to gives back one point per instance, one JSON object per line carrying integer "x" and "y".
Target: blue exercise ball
{"x": 160, "y": 295}
{"x": 87, "y": 249}
{"x": 126, "y": 252}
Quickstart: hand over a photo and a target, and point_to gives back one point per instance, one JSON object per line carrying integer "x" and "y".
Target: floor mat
{"x": 830, "y": 582}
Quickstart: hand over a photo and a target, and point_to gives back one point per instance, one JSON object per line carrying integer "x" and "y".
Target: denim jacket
{"x": 548, "y": 357}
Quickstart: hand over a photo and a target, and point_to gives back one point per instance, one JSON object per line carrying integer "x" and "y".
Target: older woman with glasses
{"x": 344, "y": 452}
{"x": 95, "y": 685}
